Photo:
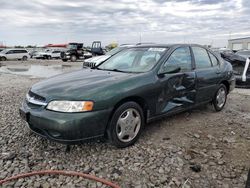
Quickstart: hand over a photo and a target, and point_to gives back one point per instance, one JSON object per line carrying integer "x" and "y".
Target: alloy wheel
{"x": 221, "y": 97}
{"x": 128, "y": 125}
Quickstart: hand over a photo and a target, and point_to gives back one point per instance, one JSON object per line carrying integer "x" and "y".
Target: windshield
{"x": 4, "y": 51}
{"x": 134, "y": 60}
{"x": 115, "y": 50}
{"x": 72, "y": 46}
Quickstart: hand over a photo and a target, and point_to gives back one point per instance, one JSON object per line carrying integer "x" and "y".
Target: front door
{"x": 177, "y": 86}
{"x": 11, "y": 55}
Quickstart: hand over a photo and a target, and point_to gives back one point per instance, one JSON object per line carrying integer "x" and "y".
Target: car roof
{"x": 166, "y": 45}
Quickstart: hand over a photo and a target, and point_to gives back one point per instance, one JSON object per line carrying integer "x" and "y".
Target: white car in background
{"x": 48, "y": 54}
{"x": 96, "y": 60}
{"x": 14, "y": 54}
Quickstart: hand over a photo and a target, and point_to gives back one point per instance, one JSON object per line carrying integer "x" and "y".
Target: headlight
{"x": 70, "y": 106}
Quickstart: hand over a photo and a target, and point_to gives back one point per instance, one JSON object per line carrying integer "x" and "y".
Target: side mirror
{"x": 170, "y": 71}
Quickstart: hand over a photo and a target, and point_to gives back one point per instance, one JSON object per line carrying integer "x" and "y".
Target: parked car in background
{"x": 14, "y": 54}
{"x": 54, "y": 54}
{"x": 241, "y": 68}
{"x": 74, "y": 52}
{"x": 48, "y": 54}
{"x": 41, "y": 54}
{"x": 32, "y": 53}
{"x": 133, "y": 87}
{"x": 96, "y": 60}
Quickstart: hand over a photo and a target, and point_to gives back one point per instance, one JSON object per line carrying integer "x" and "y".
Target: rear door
{"x": 178, "y": 88}
{"x": 208, "y": 75}
{"x": 19, "y": 54}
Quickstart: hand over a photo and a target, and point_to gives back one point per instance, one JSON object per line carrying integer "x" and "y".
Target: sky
{"x": 41, "y": 22}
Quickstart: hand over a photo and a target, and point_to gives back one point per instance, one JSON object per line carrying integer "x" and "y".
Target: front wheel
{"x": 3, "y": 58}
{"x": 220, "y": 98}
{"x": 126, "y": 125}
{"x": 24, "y": 58}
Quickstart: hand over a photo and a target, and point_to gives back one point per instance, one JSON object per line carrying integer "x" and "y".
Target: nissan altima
{"x": 118, "y": 97}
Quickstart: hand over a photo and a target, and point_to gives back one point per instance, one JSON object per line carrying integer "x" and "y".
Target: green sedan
{"x": 115, "y": 99}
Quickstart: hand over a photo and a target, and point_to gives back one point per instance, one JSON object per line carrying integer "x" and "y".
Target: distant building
{"x": 239, "y": 44}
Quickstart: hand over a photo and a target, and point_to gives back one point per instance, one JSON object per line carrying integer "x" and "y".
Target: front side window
{"x": 19, "y": 51}
{"x": 134, "y": 60}
{"x": 10, "y": 52}
{"x": 180, "y": 58}
{"x": 201, "y": 58}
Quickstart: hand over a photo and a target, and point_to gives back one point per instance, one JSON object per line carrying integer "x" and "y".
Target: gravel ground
{"x": 198, "y": 148}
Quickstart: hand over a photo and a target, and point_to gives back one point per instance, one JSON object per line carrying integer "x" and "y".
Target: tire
{"x": 126, "y": 125}
{"x": 3, "y": 58}
{"x": 73, "y": 58}
{"x": 220, "y": 98}
{"x": 24, "y": 58}
{"x": 64, "y": 60}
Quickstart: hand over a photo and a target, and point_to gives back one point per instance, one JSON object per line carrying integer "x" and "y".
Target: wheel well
{"x": 140, "y": 101}
{"x": 226, "y": 84}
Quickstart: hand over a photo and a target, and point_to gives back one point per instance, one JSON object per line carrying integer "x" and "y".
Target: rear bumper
{"x": 232, "y": 82}
{"x": 68, "y": 128}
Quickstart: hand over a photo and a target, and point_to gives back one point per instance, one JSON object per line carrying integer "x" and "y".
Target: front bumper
{"x": 242, "y": 84}
{"x": 65, "y": 127}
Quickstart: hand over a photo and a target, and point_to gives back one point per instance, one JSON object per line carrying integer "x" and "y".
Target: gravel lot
{"x": 198, "y": 148}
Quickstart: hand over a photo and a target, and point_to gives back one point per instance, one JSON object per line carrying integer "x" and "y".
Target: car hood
{"x": 97, "y": 59}
{"x": 78, "y": 85}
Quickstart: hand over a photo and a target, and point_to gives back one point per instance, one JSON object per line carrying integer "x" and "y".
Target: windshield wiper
{"x": 117, "y": 70}
{"x": 97, "y": 68}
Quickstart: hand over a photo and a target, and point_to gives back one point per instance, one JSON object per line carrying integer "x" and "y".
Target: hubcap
{"x": 221, "y": 97}
{"x": 128, "y": 125}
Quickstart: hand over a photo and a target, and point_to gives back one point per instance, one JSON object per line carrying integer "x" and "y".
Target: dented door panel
{"x": 177, "y": 93}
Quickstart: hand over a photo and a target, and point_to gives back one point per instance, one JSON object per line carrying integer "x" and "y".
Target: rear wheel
{"x": 220, "y": 98}
{"x": 24, "y": 58}
{"x": 73, "y": 58}
{"x": 126, "y": 125}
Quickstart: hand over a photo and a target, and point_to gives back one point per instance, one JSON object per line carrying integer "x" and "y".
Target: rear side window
{"x": 181, "y": 57}
{"x": 214, "y": 60}
{"x": 201, "y": 57}
{"x": 20, "y": 51}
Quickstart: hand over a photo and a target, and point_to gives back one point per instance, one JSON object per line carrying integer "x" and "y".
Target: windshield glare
{"x": 134, "y": 60}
